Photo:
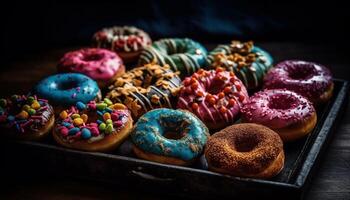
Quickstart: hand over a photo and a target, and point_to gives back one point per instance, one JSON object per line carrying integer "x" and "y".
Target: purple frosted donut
{"x": 309, "y": 79}
{"x": 289, "y": 114}
{"x": 99, "y": 64}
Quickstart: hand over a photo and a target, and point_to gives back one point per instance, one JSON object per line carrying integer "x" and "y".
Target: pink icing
{"x": 211, "y": 84}
{"x": 276, "y": 108}
{"x": 99, "y": 64}
{"x": 306, "y": 78}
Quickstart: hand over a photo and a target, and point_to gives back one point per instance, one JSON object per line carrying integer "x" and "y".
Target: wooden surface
{"x": 332, "y": 181}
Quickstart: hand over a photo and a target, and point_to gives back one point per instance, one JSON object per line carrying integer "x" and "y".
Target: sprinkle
{"x": 106, "y": 116}
{"x": 99, "y": 121}
{"x": 75, "y": 115}
{"x": 43, "y": 100}
{"x": 109, "y": 128}
{"x": 84, "y": 117}
{"x": 80, "y": 105}
{"x": 95, "y": 131}
{"x": 101, "y": 106}
{"x": 66, "y": 124}
{"x": 30, "y": 99}
{"x": 109, "y": 121}
{"x": 108, "y": 109}
{"x": 63, "y": 114}
{"x": 26, "y": 107}
{"x": 108, "y": 101}
{"x": 73, "y": 131}
{"x": 195, "y": 106}
{"x": 31, "y": 111}
{"x": 35, "y": 105}
{"x": 118, "y": 123}
{"x": 85, "y": 133}
{"x": 102, "y": 126}
{"x": 99, "y": 113}
{"x": 115, "y": 116}
{"x": 64, "y": 131}
{"x": 78, "y": 121}
{"x": 223, "y": 109}
{"x": 23, "y": 115}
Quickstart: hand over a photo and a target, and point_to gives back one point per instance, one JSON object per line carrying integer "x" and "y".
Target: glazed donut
{"x": 291, "y": 115}
{"x": 249, "y": 62}
{"x": 215, "y": 96}
{"x": 99, "y": 64}
{"x": 65, "y": 90}
{"x": 245, "y": 150}
{"x": 126, "y": 41}
{"x": 183, "y": 55}
{"x": 169, "y": 136}
{"x": 145, "y": 88}
{"x": 93, "y": 126}
{"x": 25, "y": 117}
{"x": 309, "y": 79}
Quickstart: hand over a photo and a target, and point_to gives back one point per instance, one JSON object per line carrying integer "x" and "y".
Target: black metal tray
{"x": 301, "y": 159}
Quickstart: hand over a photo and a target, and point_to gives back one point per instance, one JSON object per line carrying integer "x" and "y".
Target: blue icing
{"x": 150, "y": 128}
{"x": 269, "y": 59}
{"x": 67, "y": 89}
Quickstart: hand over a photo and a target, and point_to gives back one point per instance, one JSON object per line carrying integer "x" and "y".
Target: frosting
{"x": 183, "y": 55}
{"x": 277, "y": 108}
{"x": 250, "y": 63}
{"x": 98, "y": 64}
{"x": 24, "y": 114}
{"x": 126, "y": 39}
{"x": 92, "y": 121}
{"x": 67, "y": 89}
{"x": 151, "y": 128}
{"x": 214, "y": 96}
{"x": 306, "y": 78}
{"x": 145, "y": 88}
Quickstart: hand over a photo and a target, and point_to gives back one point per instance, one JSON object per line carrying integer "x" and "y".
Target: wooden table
{"x": 332, "y": 181}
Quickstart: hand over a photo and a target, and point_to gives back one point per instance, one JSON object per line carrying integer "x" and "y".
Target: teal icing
{"x": 67, "y": 89}
{"x": 148, "y": 134}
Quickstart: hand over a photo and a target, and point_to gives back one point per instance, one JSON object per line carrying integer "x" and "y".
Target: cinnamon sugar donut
{"x": 245, "y": 150}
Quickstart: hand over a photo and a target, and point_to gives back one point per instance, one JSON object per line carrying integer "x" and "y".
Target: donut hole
{"x": 301, "y": 72}
{"x": 92, "y": 57}
{"x": 67, "y": 85}
{"x": 282, "y": 102}
{"x": 216, "y": 86}
{"x": 246, "y": 142}
{"x": 174, "y": 129}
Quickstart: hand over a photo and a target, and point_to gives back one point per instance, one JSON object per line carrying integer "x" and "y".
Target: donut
{"x": 291, "y": 115}
{"x": 311, "y": 80}
{"x": 65, "y": 90}
{"x": 95, "y": 126}
{"x": 245, "y": 150}
{"x": 145, "y": 88}
{"x": 169, "y": 136}
{"x": 249, "y": 62}
{"x": 183, "y": 55}
{"x": 25, "y": 117}
{"x": 214, "y": 96}
{"x": 99, "y": 64}
{"x": 126, "y": 41}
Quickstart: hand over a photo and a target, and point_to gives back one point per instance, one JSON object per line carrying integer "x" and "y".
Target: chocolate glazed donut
{"x": 245, "y": 150}
{"x": 145, "y": 88}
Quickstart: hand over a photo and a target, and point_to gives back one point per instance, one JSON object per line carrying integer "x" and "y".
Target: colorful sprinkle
{"x": 114, "y": 116}
{"x": 80, "y": 105}
{"x": 118, "y": 123}
{"x": 102, "y": 126}
{"x": 108, "y": 101}
{"x": 85, "y": 133}
{"x": 75, "y": 115}
{"x": 106, "y": 116}
{"x": 64, "y": 131}
{"x": 10, "y": 118}
{"x": 35, "y": 105}
{"x": 84, "y": 117}
{"x": 94, "y": 131}
{"x": 101, "y": 106}
{"x": 26, "y": 107}
{"x": 22, "y": 115}
{"x": 78, "y": 121}
{"x": 73, "y": 131}
{"x": 31, "y": 111}
{"x": 30, "y": 99}
{"x": 109, "y": 128}
{"x": 109, "y": 121}
{"x": 63, "y": 114}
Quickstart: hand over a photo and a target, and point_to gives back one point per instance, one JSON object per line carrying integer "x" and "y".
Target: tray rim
{"x": 301, "y": 178}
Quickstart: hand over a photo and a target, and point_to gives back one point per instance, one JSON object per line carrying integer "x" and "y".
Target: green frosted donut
{"x": 183, "y": 55}
{"x": 248, "y": 62}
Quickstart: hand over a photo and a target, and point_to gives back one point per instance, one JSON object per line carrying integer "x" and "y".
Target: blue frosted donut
{"x": 169, "y": 136}
{"x": 67, "y": 89}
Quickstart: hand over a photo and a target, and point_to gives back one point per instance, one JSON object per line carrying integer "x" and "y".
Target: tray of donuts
{"x": 177, "y": 118}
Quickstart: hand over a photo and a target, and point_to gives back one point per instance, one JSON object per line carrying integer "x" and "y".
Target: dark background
{"x": 32, "y": 27}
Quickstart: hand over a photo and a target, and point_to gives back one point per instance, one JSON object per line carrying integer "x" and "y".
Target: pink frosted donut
{"x": 99, "y": 64}
{"x": 309, "y": 79}
{"x": 291, "y": 115}
{"x": 214, "y": 96}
